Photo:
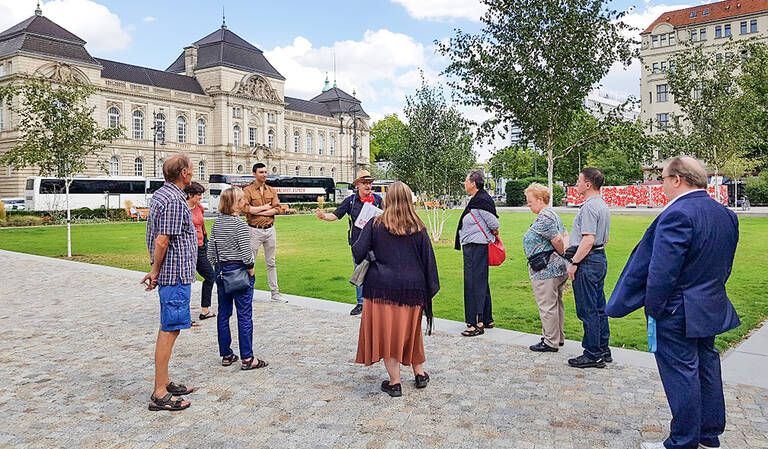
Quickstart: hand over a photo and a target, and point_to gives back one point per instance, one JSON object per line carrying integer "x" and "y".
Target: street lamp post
{"x": 155, "y": 131}
{"x": 352, "y": 112}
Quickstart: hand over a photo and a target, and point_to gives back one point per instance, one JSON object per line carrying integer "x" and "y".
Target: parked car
{"x": 13, "y": 203}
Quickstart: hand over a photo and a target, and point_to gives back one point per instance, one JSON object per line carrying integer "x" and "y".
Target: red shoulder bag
{"x": 496, "y": 251}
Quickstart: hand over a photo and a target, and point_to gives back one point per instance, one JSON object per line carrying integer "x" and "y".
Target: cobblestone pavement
{"x": 77, "y": 370}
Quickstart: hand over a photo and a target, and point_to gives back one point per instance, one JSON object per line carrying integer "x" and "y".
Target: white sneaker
{"x": 654, "y": 445}
{"x": 704, "y": 446}
{"x": 279, "y": 299}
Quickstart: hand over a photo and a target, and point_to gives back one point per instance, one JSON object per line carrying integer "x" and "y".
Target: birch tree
{"x": 57, "y": 131}
{"x": 532, "y": 65}
{"x": 436, "y": 153}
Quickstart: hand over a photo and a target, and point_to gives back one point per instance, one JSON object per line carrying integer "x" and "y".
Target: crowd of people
{"x": 675, "y": 272}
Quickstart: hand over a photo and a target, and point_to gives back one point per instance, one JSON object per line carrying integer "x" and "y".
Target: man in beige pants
{"x": 261, "y": 206}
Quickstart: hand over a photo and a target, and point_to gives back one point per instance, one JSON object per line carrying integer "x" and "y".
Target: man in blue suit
{"x": 678, "y": 273}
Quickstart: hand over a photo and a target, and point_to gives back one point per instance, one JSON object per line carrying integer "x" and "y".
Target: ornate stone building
{"x": 220, "y": 102}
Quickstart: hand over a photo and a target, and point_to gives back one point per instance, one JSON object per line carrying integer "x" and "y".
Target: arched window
{"x": 321, "y": 171}
{"x": 309, "y": 171}
{"x": 320, "y": 143}
{"x": 271, "y": 139}
{"x": 201, "y": 171}
{"x": 296, "y": 139}
{"x": 333, "y": 173}
{"x": 236, "y": 136}
{"x": 138, "y": 124}
{"x": 274, "y": 169}
{"x": 332, "y": 145}
{"x": 138, "y": 167}
{"x": 309, "y": 143}
{"x": 113, "y": 117}
{"x": 114, "y": 166}
{"x": 298, "y": 171}
{"x": 160, "y": 127}
{"x": 160, "y": 163}
{"x": 200, "y": 131}
{"x": 285, "y": 142}
{"x": 181, "y": 129}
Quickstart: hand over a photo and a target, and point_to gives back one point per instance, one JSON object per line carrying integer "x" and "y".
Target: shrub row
{"x": 83, "y": 213}
{"x": 757, "y": 189}
{"x": 515, "y": 189}
{"x": 304, "y": 207}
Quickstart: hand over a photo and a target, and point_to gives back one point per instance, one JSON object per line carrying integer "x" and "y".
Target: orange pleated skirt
{"x": 390, "y": 331}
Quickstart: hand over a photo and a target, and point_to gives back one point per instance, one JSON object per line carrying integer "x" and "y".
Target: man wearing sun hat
{"x": 351, "y": 206}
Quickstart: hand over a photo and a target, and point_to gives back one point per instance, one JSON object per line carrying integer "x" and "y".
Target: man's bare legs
{"x": 163, "y": 349}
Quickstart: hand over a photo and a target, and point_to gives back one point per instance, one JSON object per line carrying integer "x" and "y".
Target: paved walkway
{"x": 77, "y": 372}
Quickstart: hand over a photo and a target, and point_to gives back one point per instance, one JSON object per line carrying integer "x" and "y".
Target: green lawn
{"x": 313, "y": 259}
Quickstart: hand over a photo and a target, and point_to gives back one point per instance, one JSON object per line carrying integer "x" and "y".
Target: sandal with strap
{"x": 249, "y": 365}
{"x": 179, "y": 390}
{"x": 229, "y": 360}
{"x": 473, "y": 332}
{"x": 166, "y": 403}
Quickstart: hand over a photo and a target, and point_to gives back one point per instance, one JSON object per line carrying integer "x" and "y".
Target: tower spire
{"x": 38, "y": 11}
{"x": 327, "y": 85}
{"x": 223, "y": 19}
{"x": 334, "y": 68}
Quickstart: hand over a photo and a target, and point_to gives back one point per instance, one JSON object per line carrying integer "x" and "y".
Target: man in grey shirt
{"x": 589, "y": 235}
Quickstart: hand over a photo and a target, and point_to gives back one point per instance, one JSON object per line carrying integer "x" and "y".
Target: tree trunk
{"x": 550, "y": 174}
{"x": 67, "y": 181}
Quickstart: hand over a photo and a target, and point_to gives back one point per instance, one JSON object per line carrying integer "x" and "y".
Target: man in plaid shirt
{"x": 172, "y": 245}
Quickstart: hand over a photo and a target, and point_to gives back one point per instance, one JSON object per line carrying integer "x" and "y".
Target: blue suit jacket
{"x": 683, "y": 260}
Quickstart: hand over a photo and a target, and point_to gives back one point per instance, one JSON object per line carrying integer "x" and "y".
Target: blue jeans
{"x": 243, "y": 301}
{"x": 588, "y": 291}
{"x": 690, "y": 371}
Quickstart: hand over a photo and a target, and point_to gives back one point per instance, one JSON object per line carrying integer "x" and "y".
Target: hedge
{"x": 83, "y": 213}
{"x": 515, "y": 189}
{"x": 757, "y": 190}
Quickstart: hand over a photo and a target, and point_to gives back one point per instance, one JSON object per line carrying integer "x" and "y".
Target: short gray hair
{"x": 688, "y": 169}
{"x": 478, "y": 178}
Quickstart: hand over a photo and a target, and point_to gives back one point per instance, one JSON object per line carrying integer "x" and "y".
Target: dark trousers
{"x": 477, "y": 292}
{"x": 690, "y": 372}
{"x": 589, "y": 294}
{"x": 243, "y": 301}
{"x": 205, "y": 270}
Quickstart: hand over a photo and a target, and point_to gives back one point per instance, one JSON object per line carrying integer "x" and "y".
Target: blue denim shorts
{"x": 174, "y": 307}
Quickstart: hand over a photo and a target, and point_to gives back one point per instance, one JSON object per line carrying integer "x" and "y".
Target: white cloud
{"x": 91, "y": 21}
{"x": 380, "y": 60}
{"x": 443, "y": 9}
{"x": 150, "y": 19}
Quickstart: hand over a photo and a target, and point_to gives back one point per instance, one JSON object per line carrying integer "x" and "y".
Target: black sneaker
{"x": 357, "y": 310}
{"x": 583, "y": 361}
{"x": 422, "y": 381}
{"x": 542, "y": 347}
{"x": 607, "y": 357}
{"x": 393, "y": 390}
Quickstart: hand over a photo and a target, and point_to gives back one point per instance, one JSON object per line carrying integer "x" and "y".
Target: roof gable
{"x": 227, "y": 49}
{"x": 716, "y": 11}
{"x": 39, "y": 35}
{"x": 43, "y": 26}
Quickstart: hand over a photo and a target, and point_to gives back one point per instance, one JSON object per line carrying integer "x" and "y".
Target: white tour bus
{"x": 290, "y": 189}
{"x": 43, "y": 193}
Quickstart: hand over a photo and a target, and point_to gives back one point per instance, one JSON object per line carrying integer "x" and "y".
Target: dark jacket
{"x": 351, "y": 206}
{"x": 405, "y": 270}
{"x": 683, "y": 260}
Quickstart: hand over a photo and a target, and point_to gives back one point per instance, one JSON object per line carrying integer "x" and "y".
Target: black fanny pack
{"x": 540, "y": 260}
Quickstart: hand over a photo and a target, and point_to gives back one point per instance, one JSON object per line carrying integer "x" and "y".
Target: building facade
{"x": 711, "y": 26}
{"x": 220, "y": 102}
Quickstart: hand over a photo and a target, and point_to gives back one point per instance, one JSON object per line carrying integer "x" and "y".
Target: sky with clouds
{"x": 380, "y": 45}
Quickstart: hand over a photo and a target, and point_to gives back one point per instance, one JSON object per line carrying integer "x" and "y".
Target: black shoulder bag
{"x": 232, "y": 281}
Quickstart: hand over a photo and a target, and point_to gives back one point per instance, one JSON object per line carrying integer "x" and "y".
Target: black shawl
{"x": 482, "y": 200}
